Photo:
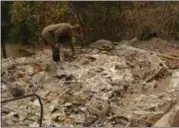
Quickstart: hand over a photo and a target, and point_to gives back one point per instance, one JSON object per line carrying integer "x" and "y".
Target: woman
{"x": 60, "y": 33}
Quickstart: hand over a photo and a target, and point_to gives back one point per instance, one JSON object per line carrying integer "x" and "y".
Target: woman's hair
{"x": 77, "y": 28}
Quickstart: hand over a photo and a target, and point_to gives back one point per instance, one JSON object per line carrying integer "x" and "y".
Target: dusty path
{"x": 18, "y": 50}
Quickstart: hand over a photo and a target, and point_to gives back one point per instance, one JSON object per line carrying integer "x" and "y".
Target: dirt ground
{"x": 155, "y": 44}
{"x": 17, "y": 50}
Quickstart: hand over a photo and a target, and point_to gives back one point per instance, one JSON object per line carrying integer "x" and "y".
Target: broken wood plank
{"x": 174, "y": 53}
{"x": 167, "y": 56}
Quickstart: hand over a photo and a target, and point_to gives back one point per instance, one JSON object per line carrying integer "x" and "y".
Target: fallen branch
{"x": 167, "y": 56}
{"x": 173, "y": 53}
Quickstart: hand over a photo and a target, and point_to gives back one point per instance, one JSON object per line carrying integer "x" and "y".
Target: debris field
{"x": 111, "y": 85}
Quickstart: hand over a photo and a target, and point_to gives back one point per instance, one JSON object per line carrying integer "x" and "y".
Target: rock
{"x": 14, "y": 90}
{"x": 135, "y": 39}
{"x": 100, "y": 44}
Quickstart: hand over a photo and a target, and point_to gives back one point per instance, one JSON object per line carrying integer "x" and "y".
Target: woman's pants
{"x": 55, "y": 51}
{"x": 55, "y": 54}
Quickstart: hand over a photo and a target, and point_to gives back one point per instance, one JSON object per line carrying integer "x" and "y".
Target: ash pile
{"x": 107, "y": 85}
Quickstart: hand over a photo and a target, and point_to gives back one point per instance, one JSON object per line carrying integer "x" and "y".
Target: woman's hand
{"x": 57, "y": 46}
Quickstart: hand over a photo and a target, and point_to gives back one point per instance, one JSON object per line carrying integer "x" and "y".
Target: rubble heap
{"x": 124, "y": 86}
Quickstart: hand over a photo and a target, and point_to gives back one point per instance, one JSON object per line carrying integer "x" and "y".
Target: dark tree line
{"x": 101, "y": 19}
{"x": 5, "y": 25}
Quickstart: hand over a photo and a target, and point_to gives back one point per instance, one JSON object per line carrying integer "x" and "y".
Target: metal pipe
{"x": 40, "y": 102}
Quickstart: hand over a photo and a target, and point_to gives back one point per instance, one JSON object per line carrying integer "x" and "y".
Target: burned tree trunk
{"x": 3, "y": 48}
{"x": 5, "y": 27}
{"x": 5, "y": 24}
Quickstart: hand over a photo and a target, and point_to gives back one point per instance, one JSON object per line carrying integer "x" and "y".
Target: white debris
{"x": 175, "y": 79}
{"x": 121, "y": 83}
